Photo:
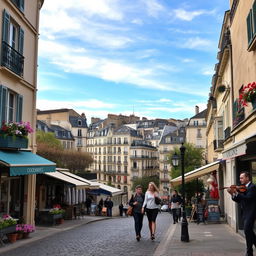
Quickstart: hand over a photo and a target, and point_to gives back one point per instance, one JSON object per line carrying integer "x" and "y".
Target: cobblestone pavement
{"x": 108, "y": 237}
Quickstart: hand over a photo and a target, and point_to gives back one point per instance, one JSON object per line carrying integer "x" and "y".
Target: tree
{"x": 50, "y": 148}
{"x": 143, "y": 181}
{"x": 48, "y": 138}
{"x": 193, "y": 159}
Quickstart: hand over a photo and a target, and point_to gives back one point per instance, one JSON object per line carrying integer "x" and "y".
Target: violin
{"x": 240, "y": 188}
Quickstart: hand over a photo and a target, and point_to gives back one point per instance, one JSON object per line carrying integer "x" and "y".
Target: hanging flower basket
{"x": 14, "y": 135}
{"x": 248, "y": 94}
{"x": 221, "y": 88}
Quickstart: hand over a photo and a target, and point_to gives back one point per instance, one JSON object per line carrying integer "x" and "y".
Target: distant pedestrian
{"x": 88, "y": 204}
{"x": 125, "y": 209}
{"x": 100, "y": 206}
{"x": 136, "y": 202}
{"x": 175, "y": 206}
{"x": 121, "y": 209}
{"x": 151, "y": 207}
{"x": 109, "y": 205}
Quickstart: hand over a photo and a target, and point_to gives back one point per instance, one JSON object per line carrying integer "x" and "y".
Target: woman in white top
{"x": 151, "y": 207}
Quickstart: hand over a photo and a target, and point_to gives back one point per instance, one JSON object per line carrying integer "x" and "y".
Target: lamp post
{"x": 184, "y": 223}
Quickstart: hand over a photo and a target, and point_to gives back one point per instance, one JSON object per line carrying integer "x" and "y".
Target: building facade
{"x": 18, "y": 85}
{"x": 69, "y": 120}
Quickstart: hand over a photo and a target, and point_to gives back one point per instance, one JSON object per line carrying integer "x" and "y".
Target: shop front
{"x": 58, "y": 188}
{"x": 18, "y": 171}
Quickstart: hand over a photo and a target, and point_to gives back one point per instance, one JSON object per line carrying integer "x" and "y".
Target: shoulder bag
{"x": 130, "y": 211}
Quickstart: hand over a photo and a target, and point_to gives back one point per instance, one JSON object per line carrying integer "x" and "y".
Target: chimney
{"x": 95, "y": 119}
{"x": 196, "y": 110}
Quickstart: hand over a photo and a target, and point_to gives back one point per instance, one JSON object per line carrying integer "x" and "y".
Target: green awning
{"x": 25, "y": 162}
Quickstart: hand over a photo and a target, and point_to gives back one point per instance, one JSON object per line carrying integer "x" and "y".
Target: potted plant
{"x": 56, "y": 213}
{"x": 14, "y": 134}
{"x": 248, "y": 94}
{"x": 8, "y": 227}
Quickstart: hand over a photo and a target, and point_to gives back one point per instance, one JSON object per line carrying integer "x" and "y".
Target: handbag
{"x": 157, "y": 200}
{"x": 104, "y": 210}
{"x": 130, "y": 211}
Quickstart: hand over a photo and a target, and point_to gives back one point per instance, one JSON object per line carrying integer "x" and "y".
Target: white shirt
{"x": 149, "y": 201}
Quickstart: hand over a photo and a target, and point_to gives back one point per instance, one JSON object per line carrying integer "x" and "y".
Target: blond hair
{"x": 154, "y": 186}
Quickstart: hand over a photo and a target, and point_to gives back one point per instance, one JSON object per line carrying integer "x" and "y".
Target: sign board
{"x": 234, "y": 152}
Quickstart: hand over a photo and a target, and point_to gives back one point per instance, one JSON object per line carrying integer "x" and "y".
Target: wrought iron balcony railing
{"x": 12, "y": 59}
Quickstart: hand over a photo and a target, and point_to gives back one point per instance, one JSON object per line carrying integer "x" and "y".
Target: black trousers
{"x": 249, "y": 235}
{"x": 175, "y": 215}
{"x": 138, "y": 221}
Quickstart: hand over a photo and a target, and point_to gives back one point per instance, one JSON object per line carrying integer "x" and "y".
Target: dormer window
{"x": 79, "y": 122}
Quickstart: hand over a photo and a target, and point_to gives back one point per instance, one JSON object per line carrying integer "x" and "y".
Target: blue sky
{"x": 155, "y": 57}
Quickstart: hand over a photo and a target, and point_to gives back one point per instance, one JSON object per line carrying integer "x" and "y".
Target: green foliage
{"x": 144, "y": 182}
{"x": 193, "y": 159}
{"x": 49, "y": 139}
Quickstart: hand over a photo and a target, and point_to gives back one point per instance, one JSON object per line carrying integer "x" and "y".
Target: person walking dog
{"x": 151, "y": 207}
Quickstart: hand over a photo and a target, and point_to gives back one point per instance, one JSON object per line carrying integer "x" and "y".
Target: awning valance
{"x": 25, "y": 162}
{"x": 199, "y": 172}
{"x": 67, "y": 179}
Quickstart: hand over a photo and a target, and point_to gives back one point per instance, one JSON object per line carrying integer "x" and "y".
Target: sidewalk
{"x": 42, "y": 231}
{"x": 205, "y": 239}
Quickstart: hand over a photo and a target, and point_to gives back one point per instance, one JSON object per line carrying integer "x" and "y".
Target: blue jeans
{"x": 109, "y": 212}
{"x": 138, "y": 221}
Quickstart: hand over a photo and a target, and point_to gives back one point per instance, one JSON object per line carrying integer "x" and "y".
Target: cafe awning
{"x": 25, "y": 162}
{"x": 90, "y": 183}
{"x": 67, "y": 179}
{"x": 199, "y": 172}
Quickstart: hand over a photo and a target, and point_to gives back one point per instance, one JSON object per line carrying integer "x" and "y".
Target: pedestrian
{"x": 151, "y": 207}
{"x": 247, "y": 200}
{"x": 109, "y": 205}
{"x": 121, "y": 209}
{"x": 125, "y": 209}
{"x": 136, "y": 202}
{"x": 175, "y": 202}
{"x": 100, "y": 206}
{"x": 88, "y": 204}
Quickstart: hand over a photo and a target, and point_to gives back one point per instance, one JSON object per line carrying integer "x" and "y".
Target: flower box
{"x": 13, "y": 142}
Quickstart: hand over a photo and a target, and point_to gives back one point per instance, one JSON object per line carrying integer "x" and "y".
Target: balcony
{"x": 218, "y": 145}
{"x": 12, "y": 59}
{"x": 143, "y": 157}
{"x": 150, "y": 168}
{"x": 79, "y": 145}
{"x": 125, "y": 152}
{"x": 119, "y": 162}
{"x": 227, "y": 132}
{"x": 238, "y": 113}
{"x": 125, "y": 162}
{"x": 164, "y": 151}
{"x": 164, "y": 179}
{"x": 135, "y": 169}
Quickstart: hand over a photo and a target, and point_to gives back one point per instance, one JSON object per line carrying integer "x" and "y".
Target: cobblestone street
{"x": 107, "y": 237}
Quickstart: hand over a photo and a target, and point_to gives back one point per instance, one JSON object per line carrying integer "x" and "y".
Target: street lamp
{"x": 184, "y": 223}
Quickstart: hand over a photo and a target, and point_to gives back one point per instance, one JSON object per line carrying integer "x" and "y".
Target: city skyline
{"x": 153, "y": 58}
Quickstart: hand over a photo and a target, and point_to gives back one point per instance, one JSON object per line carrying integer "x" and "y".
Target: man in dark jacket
{"x": 109, "y": 204}
{"x": 247, "y": 200}
{"x": 88, "y": 204}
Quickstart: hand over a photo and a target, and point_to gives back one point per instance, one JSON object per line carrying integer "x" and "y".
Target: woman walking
{"x": 151, "y": 207}
{"x": 175, "y": 206}
{"x": 136, "y": 202}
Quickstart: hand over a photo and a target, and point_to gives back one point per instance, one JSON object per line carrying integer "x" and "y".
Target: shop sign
{"x": 234, "y": 152}
{"x": 26, "y": 170}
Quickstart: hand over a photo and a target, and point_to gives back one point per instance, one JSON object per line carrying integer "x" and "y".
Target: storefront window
{"x": 11, "y": 191}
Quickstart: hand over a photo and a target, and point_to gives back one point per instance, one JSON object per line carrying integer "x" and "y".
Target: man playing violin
{"x": 247, "y": 200}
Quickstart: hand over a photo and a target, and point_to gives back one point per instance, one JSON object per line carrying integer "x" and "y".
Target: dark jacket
{"x": 247, "y": 200}
{"x": 176, "y": 199}
{"x": 140, "y": 200}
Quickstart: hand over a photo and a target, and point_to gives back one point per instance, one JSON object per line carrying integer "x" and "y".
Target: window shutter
{"x": 19, "y": 106}
{"x": 21, "y": 41}
{"x": 22, "y": 5}
{"x": 3, "y": 102}
{"x": 5, "y": 28}
{"x": 254, "y": 17}
{"x": 249, "y": 27}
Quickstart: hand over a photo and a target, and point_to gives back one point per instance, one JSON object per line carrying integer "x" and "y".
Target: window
{"x": 251, "y": 27}
{"x": 79, "y": 123}
{"x": 12, "y": 45}
{"x": 199, "y": 134}
{"x": 19, "y": 4}
{"x": 79, "y": 133}
{"x": 11, "y": 105}
{"x": 196, "y": 123}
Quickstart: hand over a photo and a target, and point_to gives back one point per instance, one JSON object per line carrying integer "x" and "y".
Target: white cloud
{"x": 153, "y": 8}
{"x": 43, "y": 104}
{"x": 182, "y": 14}
{"x": 187, "y": 60}
{"x": 197, "y": 43}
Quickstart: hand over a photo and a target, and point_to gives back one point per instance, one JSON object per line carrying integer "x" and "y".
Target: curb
{"x": 162, "y": 248}
{"x": 53, "y": 232}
